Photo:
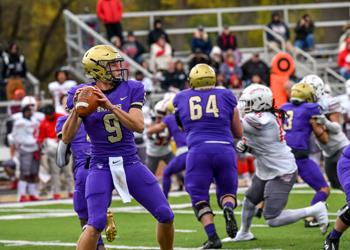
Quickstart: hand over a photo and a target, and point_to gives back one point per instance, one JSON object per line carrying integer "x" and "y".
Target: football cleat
{"x": 231, "y": 224}
{"x": 244, "y": 236}
{"x": 56, "y": 196}
{"x": 322, "y": 216}
{"x": 311, "y": 223}
{"x": 34, "y": 198}
{"x": 212, "y": 243}
{"x": 331, "y": 244}
{"x": 24, "y": 198}
{"x": 111, "y": 229}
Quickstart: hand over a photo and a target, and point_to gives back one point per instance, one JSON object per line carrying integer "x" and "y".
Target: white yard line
{"x": 172, "y": 194}
{"x": 14, "y": 243}
{"x": 185, "y": 231}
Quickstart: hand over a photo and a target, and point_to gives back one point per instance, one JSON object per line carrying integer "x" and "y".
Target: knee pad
{"x": 98, "y": 221}
{"x": 201, "y": 208}
{"x": 248, "y": 205}
{"x": 345, "y": 215}
{"x": 164, "y": 214}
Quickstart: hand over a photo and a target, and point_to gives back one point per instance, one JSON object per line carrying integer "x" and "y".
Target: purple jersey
{"x": 80, "y": 145}
{"x": 346, "y": 152}
{"x": 206, "y": 115}
{"x": 297, "y": 125}
{"x": 178, "y": 135}
{"x": 108, "y": 136}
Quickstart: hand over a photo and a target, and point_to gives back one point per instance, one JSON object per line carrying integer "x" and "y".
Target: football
{"x": 87, "y": 101}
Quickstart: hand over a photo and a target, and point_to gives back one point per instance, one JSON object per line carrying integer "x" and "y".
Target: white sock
{"x": 287, "y": 217}
{"x": 33, "y": 189}
{"x": 248, "y": 212}
{"x": 22, "y": 188}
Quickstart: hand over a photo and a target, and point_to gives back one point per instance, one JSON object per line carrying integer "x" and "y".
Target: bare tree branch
{"x": 50, "y": 31}
{"x": 16, "y": 23}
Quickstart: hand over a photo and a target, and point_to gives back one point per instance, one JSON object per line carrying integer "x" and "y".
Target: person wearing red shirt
{"x": 110, "y": 12}
{"x": 47, "y": 138}
{"x": 344, "y": 60}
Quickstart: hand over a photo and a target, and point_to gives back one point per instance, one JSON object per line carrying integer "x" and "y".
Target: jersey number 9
{"x": 112, "y": 125}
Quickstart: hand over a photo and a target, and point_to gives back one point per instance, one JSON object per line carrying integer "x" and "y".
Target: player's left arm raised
{"x": 132, "y": 120}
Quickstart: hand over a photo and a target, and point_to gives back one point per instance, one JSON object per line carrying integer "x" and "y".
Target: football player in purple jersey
{"x": 177, "y": 164}
{"x": 210, "y": 120}
{"x": 299, "y": 125}
{"x": 114, "y": 160}
{"x": 343, "y": 220}
{"x": 80, "y": 149}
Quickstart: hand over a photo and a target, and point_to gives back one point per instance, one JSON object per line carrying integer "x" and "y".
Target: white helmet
{"x": 255, "y": 97}
{"x": 317, "y": 83}
{"x": 29, "y": 100}
{"x": 161, "y": 108}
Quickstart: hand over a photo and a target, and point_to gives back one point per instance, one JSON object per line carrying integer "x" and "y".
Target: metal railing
{"x": 75, "y": 30}
{"x": 219, "y": 12}
{"x": 35, "y": 82}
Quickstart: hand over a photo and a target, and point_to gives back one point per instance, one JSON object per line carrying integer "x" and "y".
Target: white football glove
{"x": 320, "y": 119}
{"x": 241, "y": 147}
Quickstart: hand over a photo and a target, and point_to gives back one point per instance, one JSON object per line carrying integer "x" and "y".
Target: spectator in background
{"x": 2, "y": 80}
{"x": 201, "y": 40}
{"x": 14, "y": 63}
{"x": 180, "y": 75}
{"x": 278, "y": 26}
{"x": 60, "y": 87}
{"x": 147, "y": 82}
{"x": 255, "y": 66}
{"x": 110, "y": 12}
{"x": 14, "y": 70}
{"x": 133, "y": 48}
{"x": 228, "y": 41}
{"x": 216, "y": 58}
{"x": 343, "y": 37}
{"x": 344, "y": 60}
{"x": 231, "y": 71}
{"x": 174, "y": 78}
{"x": 157, "y": 32}
{"x": 304, "y": 37}
{"x": 160, "y": 55}
{"x": 24, "y": 137}
{"x": 198, "y": 57}
{"x": 48, "y": 139}
{"x": 117, "y": 42}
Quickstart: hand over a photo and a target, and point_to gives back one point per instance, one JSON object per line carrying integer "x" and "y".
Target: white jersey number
{"x": 196, "y": 111}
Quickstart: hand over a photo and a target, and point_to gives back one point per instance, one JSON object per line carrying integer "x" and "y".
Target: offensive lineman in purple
{"x": 298, "y": 129}
{"x": 110, "y": 129}
{"x": 210, "y": 119}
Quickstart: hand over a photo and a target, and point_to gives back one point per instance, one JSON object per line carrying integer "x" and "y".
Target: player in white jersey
{"x": 331, "y": 118}
{"x": 276, "y": 170}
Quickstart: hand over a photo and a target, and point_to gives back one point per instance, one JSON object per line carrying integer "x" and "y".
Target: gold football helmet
{"x": 202, "y": 75}
{"x": 97, "y": 63}
{"x": 303, "y": 92}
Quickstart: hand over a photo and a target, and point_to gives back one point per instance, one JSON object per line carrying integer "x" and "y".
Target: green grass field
{"x": 25, "y": 227}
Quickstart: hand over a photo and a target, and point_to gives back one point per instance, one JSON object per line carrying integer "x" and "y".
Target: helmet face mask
{"x": 255, "y": 98}
{"x": 104, "y": 63}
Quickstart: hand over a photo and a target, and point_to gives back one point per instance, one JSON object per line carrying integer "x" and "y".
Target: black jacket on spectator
{"x": 14, "y": 65}
{"x": 228, "y": 41}
{"x": 301, "y": 32}
{"x": 173, "y": 79}
{"x": 280, "y": 28}
{"x": 260, "y": 68}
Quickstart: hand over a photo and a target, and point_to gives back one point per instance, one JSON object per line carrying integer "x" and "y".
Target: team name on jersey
{"x": 101, "y": 109}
